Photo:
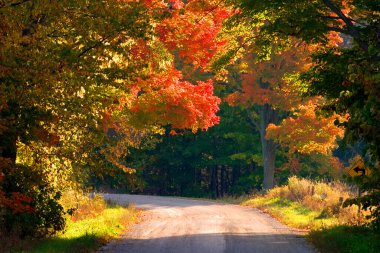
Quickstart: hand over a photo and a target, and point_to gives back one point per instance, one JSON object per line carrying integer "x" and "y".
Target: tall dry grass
{"x": 326, "y": 197}
{"x": 82, "y": 206}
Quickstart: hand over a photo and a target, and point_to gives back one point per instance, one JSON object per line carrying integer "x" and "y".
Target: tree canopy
{"x": 90, "y": 86}
{"x": 81, "y": 81}
{"x": 345, "y": 63}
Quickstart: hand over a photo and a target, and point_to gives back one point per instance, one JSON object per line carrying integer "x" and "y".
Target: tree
{"x": 347, "y": 74}
{"x": 222, "y": 160}
{"x": 70, "y": 72}
{"x": 269, "y": 89}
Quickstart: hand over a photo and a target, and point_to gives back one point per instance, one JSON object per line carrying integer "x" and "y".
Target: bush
{"x": 30, "y": 203}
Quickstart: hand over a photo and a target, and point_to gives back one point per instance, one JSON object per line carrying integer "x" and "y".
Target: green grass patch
{"x": 89, "y": 234}
{"x": 345, "y": 239}
{"x": 291, "y": 213}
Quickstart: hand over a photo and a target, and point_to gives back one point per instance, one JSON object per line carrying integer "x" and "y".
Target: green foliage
{"x": 189, "y": 164}
{"x": 246, "y": 184}
{"x": 342, "y": 239}
{"x": 346, "y": 74}
{"x": 348, "y": 79}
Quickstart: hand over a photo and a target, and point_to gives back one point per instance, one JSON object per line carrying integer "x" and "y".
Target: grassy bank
{"x": 291, "y": 213}
{"x": 89, "y": 234}
{"x": 316, "y": 207}
{"x": 92, "y": 225}
{"x": 347, "y": 239}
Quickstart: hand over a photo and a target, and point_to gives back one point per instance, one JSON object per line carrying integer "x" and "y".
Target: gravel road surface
{"x": 178, "y": 225}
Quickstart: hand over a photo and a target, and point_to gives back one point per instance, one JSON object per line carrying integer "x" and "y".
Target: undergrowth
{"x": 317, "y": 207}
{"x": 91, "y": 224}
{"x": 346, "y": 239}
{"x": 316, "y": 204}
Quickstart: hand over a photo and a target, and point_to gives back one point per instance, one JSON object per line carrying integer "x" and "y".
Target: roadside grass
{"x": 291, "y": 213}
{"x": 317, "y": 204}
{"x": 316, "y": 207}
{"x": 345, "y": 239}
{"x": 89, "y": 234}
{"x": 92, "y": 225}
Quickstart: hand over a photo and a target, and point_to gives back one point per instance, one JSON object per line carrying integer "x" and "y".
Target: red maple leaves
{"x": 188, "y": 31}
{"x": 17, "y": 202}
{"x": 192, "y": 30}
{"x": 165, "y": 99}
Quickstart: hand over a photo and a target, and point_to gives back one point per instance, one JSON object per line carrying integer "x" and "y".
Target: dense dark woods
{"x": 223, "y": 160}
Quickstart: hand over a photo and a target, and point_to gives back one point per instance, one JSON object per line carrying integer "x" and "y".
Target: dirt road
{"x": 175, "y": 225}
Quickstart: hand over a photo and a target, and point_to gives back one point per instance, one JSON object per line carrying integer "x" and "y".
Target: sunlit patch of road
{"x": 196, "y": 226}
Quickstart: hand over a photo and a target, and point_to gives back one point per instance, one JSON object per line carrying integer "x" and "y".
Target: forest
{"x": 196, "y": 98}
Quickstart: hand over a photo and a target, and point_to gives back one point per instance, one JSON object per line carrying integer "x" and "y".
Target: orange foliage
{"x": 173, "y": 132}
{"x": 165, "y": 99}
{"x": 19, "y": 203}
{"x": 266, "y": 83}
{"x": 306, "y": 132}
{"x": 326, "y": 164}
{"x": 334, "y": 38}
{"x": 191, "y": 30}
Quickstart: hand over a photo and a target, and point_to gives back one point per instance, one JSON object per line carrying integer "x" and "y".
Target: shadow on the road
{"x": 151, "y": 202}
{"x": 207, "y": 243}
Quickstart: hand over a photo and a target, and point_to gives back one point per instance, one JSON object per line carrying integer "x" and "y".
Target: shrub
{"x": 30, "y": 203}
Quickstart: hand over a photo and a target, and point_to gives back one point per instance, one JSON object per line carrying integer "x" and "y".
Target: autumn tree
{"x": 223, "y": 160}
{"x": 279, "y": 111}
{"x": 347, "y": 74}
{"x": 80, "y": 81}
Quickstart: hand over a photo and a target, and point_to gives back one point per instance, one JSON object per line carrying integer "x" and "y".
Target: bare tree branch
{"x": 351, "y": 29}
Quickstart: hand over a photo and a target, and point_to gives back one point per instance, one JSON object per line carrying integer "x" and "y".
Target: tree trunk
{"x": 213, "y": 181}
{"x": 8, "y": 148}
{"x": 222, "y": 180}
{"x": 268, "y": 115}
{"x": 9, "y": 133}
{"x": 217, "y": 181}
{"x": 269, "y": 157}
{"x": 235, "y": 175}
